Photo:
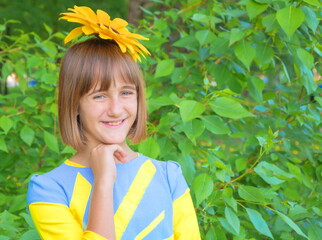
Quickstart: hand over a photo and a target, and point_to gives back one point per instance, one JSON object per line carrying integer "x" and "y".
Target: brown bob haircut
{"x": 85, "y": 65}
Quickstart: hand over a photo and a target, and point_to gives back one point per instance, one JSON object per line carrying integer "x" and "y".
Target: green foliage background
{"x": 234, "y": 92}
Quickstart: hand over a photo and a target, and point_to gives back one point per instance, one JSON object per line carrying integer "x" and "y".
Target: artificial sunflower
{"x": 100, "y": 24}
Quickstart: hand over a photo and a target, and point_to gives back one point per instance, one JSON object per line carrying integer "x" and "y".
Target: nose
{"x": 115, "y": 107}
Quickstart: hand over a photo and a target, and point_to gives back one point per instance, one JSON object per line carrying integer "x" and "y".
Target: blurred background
{"x": 234, "y": 94}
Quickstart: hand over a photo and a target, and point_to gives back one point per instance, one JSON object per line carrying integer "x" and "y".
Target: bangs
{"x": 108, "y": 64}
{"x": 112, "y": 71}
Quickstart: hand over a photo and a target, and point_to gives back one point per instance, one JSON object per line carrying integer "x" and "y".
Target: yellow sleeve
{"x": 55, "y": 221}
{"x": 185, "y": 219}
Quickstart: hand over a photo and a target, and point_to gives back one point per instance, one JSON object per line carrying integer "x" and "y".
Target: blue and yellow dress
{"x": 151, "y": 201}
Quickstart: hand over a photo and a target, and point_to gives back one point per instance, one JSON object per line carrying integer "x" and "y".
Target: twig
{"x": 10, "y": 50}
{"x": 192, "y": 6}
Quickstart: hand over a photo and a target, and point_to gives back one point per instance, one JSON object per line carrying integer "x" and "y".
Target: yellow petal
{"x": 138, "y": 36}
{"x": 76, "y": 20}
{"x": 103, "y": 17}
{"x": 121, "y": 45}
{"x": 88, "y": 13}
{"x": 73, "y": 34}
{"x": 107, "y": 32}
{"x": 136, "y": 57}
{"x": 104, "y": 36}
{"x": 87, "y": 30}
{"x": 118, "y": 23}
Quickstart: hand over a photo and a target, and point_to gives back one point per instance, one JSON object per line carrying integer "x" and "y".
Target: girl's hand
{"x": 102, "y": 161}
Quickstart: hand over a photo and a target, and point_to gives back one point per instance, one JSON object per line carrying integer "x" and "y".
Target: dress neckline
{"x": 68, "y": 162}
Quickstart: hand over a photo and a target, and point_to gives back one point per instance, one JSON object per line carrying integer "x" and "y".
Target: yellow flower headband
{"x": 100, "y": 24}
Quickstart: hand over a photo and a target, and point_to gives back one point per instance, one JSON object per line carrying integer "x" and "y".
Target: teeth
{"x": 114, "y": 123}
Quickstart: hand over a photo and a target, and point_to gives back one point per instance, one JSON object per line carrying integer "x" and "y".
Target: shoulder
{"x": 172, "y": 172}
{"x": 48, "y": 187}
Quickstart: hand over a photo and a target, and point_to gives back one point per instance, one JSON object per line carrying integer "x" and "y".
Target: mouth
{"x": 113, "y": 123}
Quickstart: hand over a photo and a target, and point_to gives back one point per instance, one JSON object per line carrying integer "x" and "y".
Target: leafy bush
{"x": 234, "y": 97}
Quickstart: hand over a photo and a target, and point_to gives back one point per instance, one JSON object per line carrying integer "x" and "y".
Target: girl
{"x": 106, "y": 190}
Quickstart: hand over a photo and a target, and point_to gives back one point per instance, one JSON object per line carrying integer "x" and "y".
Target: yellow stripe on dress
{"x": 184, "y": 217}
{"x": 133, "y": 197}
{"x": 150, "y": 227}
{"x": 80, "y": 196}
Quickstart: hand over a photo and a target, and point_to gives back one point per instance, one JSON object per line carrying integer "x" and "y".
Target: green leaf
{"x": 34, "y": 61}
{"x": 245, "y": 52}
{"x": 258, "y": 222}
{"x": 206, "y": 19}
{"x": 193, "y": 128}
{"x": 306, "y": 58}
{"x": 27, "y": 134}
{"x": 289, "y": 222}
{"x": 158, "y": 102}
{"x": 188, "y": 167}
{"x": 272, "y": 174}
{"x": 149, "y": 147}
{"x": 310, "y": 18}
{"x": 307, "y": 79}
{"x": 270, "y": 22}
{"x": 235, "y": 35}
{"x": 227, "y": 226}
{"x": 6, "y": 123}
{"x": 17, "y": 203}
{"x": 264, "y": 54}
{"x": 256, "y": 86}
{"x": 315, "y": 232}
{"x": 188, "y": 42}
{"x": 190, "y": 109}
{"x": 30, "y": 235}
{"x": 27, "y": 219}
{"x": 164, "y": 68}
{"x": 220, "y": 45}
{"x": 232, "y": 219}
{"x": 254, "y": 9}
{"x": 215, "y": 124}
{"x": 229, "y": 199}
{"x": 218, "y": 163}
{"x": 3, "y": 145}
{"x": 205, "y": 36}
{"x": 49, "y": 78}
{"x": 250, "y": 193}
{"x": 203, "y": 187}
{"x": 7, "y": 69}
{"x": 290, "y": 18}
{"x": 227, "y": 107}
{"x": 179, "y": 74}
{"x": 314, "y": 2}
{"x": 241, "y": 164}
{"x": 31, "y": 102}
{"x": 51, "y": 141}
{"x": 295, "y": 170}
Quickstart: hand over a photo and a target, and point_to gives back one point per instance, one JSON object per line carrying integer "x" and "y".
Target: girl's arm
{"x": 101, "y": 216}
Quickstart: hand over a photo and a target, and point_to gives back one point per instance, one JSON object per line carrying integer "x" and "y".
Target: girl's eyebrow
{"x": 132, "y": 87}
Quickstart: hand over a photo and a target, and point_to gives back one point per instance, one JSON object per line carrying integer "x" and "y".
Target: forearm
{"x": 101, "y": 215}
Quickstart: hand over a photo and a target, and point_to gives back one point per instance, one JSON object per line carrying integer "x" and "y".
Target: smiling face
{"x": 107, "y": 116}
{"x": 101, "y": 91}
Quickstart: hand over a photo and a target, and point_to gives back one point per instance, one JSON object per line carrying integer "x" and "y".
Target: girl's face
{"x": 107, "y": 116}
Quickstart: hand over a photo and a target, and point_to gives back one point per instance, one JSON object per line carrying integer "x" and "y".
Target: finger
{"x": 120, "y": 156}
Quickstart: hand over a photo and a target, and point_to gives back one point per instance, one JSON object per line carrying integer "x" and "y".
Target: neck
{"x": 82, "y": 156}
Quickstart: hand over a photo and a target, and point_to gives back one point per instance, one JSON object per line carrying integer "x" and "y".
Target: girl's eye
{"x": 127, "y": 93}
{"x": 98, "y": 97}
